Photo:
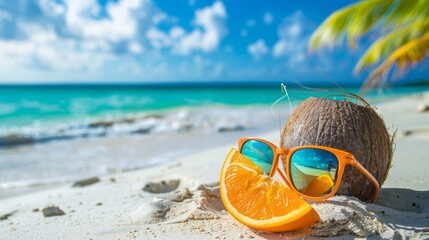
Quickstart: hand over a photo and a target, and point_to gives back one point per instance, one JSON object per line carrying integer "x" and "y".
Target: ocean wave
{"x": 182, "y": 120}
{"x": 7, "y": 108}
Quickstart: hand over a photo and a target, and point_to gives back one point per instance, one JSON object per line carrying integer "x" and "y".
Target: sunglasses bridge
{"x": 283, "y": 151}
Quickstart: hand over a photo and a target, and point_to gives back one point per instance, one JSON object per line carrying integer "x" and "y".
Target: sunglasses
{"x": 314, "y": 172}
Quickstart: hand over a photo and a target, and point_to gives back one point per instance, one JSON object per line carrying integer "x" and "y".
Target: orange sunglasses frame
{"x": 344, "y": 159}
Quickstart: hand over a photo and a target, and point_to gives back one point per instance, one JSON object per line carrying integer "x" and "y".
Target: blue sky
{"x": 138, "y": 41}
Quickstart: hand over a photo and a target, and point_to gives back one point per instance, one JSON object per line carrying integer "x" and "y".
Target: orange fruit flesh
{"x": 319, "y": 186}
{"x": 260, "y": 202}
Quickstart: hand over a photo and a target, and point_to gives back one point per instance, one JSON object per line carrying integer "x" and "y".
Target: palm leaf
{"x": 392, "y": 41}
{"x": 406, "y": 43}
{"x": 412, "y": 52}
{"x": 354, "y": 20}
{"x": 407, "y": 11}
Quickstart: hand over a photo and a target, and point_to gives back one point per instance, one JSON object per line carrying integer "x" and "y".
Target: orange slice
{"x": 319, "y": 186}
{"x": 260, "y": 202}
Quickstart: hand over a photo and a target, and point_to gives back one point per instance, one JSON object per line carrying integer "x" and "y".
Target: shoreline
{"x": 185, "y": 204}
{"x": 71, "y": 160}
{"x": 138, "y": 122}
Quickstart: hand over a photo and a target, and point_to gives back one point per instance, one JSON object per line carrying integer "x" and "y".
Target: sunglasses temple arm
{"x": 283, "y": 177}
{"x": 370, "y": 177}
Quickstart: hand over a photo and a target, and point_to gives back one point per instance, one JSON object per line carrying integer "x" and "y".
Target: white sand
{"x": 118, "y": 208}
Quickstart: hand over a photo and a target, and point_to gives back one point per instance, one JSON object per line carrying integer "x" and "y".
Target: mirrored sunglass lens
{"x": 260, "y": 153}
{"x": 313, "y": 171}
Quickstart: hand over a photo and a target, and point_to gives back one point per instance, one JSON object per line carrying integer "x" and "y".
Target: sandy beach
{"x": 180, "y": 199}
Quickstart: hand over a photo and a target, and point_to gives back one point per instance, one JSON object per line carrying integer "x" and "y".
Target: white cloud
{"x": 293, "y": 34}
{"x": 292, "y": 42}
{"x": 292, "y": 30}
{"x": 209, "y": 30}
{"x": 74, "y": 36}
{"x": 206, "y": 36}
{"x": 280, "y": 48}
{"x": 51, "y": 7}
{"x": 46, "y": 50}
{"x": 82, "y": 39}
{"x": 268, "y": 18}
{"x": 177, "y": 32}
{"x": 135, "y": 47}
{"x": 258, "y": 49}
{"x": 157, "y": 38}
{"x": 121, "y": 24}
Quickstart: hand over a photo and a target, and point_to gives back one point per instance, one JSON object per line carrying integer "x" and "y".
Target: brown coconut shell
{"x": 346, "y": 126}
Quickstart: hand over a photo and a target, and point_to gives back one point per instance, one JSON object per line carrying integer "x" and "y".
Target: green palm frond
{"x": 390, "y": 42}
{"x": 409, "y": 54}
{"x": 353, "y": 21}
{"x": 407, "y": 11}
{"x": 404, "y": 22}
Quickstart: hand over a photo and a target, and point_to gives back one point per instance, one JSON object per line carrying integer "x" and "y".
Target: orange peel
{"x": 259, "y": 201}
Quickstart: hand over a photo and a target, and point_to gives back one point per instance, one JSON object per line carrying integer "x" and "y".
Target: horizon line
{"x": 202, "y": 84}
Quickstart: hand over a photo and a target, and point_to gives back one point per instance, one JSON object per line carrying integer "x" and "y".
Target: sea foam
{"x": 182, "y": 120}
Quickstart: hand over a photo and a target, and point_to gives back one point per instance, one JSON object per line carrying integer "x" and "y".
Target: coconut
{"x": 346, "y": 126}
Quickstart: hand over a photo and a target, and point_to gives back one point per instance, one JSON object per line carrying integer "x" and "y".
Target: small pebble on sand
{"x": 162, "y": 186}
{"x": 5, "y": 216}
{"x": 86, "y": 182}
{"x": 423, "y": 107}
{"x": 52, "y": 211}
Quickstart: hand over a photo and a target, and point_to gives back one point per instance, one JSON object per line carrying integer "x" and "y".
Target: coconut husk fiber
{"x": 346, "y": 126}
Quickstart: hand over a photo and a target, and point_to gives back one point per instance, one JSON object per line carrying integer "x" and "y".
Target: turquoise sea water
{"x": 21, "y": 106}
{"x": 25, "y": 106}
